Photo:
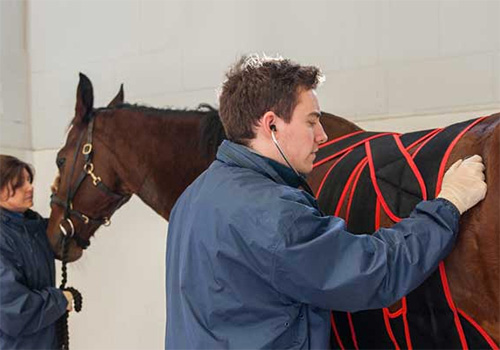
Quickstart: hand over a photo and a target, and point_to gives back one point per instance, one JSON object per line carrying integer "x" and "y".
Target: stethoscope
{"x": 303, "y": 181}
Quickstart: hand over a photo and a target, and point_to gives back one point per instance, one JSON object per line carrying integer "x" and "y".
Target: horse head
{"x": 87, "y": 190}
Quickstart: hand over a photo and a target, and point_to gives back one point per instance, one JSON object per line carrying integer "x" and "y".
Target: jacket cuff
{"x": 450, "y": 205}
{"x": 62, "y": 302}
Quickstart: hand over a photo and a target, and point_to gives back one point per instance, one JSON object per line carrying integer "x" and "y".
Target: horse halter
{"x": 88, "y": 170}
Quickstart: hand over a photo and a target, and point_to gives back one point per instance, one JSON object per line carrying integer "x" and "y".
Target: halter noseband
{"x": 88, "y": 170}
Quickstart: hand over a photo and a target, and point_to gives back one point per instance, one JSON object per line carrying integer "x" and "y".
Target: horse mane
{"x": 167, "y": 111}
{"x": 211, "y": 131}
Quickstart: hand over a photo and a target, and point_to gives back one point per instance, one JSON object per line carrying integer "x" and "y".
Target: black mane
{"x": 211, "y": 131}
{"x": 150, "y": 110}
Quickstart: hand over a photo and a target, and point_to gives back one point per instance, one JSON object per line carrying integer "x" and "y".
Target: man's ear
{"x": 268, "y": 122}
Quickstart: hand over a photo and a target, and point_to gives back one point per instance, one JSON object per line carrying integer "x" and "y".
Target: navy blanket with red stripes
{"x": 374, "y": 173}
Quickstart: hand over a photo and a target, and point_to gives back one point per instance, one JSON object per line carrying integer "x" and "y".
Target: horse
{"x": 116, "y": 151}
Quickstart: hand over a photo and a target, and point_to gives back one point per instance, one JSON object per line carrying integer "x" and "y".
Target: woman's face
{"x": 22, "y": 199}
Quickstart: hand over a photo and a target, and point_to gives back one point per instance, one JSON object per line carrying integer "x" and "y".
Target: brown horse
{"x": 111, "y": 153}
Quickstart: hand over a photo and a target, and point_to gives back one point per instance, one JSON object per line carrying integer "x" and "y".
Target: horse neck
{"x": 336, "y": 126}
{"x": 157, "y": 155}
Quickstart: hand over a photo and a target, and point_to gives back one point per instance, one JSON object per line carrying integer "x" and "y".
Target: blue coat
{"x": 29, "y": 303}
{"x": 252, "y": 263}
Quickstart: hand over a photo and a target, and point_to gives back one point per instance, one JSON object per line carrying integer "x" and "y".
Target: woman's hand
{"x": 69, "y": 298}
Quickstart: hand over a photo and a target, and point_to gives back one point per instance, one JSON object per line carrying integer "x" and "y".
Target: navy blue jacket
{"x": 252, "y": 263}
{"x": 29, "y": 303}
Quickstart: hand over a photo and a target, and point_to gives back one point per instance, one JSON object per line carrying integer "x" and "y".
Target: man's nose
{"x": 321, "y": 136}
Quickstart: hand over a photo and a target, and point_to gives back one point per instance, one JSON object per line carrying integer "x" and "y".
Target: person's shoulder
{"x": 223, "y": 177}
{"x": 8, "y": 237}
{"x": 8, "y": 226}
{"x": 241, "y": 187}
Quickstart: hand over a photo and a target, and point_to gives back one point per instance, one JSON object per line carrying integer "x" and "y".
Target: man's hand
{"x": 463, "y": 183}
{"x": 69, "y": 298}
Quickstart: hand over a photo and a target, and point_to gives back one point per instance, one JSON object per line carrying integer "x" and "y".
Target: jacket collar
{"x": 30, "y": 219}
{"x": 7, "y": 215}
{"x": 235, "y": 154}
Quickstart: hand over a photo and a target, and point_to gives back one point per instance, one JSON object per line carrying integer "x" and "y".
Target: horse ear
{"x": 84, "y": 100}
{"x": 119, "y": 98}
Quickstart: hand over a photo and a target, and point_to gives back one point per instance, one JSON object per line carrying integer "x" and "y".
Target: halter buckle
{"x": 107, "y": 222}
{"x": 89, "y": 169}
{"x": 87, "y": 148}
{"x": 95, "y": 179}
{"x": 85, "y": 219}
{"x": 63, "y": 229}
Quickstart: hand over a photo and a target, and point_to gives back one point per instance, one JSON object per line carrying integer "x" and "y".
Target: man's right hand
{"x": 463, "y": 183}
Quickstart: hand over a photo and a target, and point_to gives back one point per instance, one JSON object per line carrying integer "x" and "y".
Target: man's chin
{"x": 305, "y": 170}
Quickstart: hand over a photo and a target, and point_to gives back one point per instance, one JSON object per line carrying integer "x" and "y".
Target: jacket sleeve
{"x": 318, "y": 262}
{"x": 24, "y": 311}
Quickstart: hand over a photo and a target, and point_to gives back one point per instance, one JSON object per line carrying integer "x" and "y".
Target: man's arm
{"x": 324, "y": 265}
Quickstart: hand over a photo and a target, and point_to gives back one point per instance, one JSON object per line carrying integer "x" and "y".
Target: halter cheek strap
{"x": 88, "y": 170}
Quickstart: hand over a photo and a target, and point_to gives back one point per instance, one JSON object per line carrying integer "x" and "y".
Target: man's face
{"x": 22, "y": 199}
{"x": 301, "y": 137}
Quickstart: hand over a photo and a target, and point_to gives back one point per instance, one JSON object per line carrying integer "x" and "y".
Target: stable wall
{"x": 381, "y": 58}
{"x": 15, "y": 129}
{"x": 390, "y": 65}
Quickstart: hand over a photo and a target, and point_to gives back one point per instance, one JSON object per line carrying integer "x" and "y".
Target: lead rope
{"x": 62, "y": 323}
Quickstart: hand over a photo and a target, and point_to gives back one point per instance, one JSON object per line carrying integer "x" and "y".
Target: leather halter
{"x": 88, "y": 170}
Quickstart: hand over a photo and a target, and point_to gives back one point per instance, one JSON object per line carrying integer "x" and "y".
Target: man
{"x": 251, "y": 261}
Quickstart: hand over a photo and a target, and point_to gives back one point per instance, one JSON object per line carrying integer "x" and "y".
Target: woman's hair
{"x": 256, "y": 85}
{"x": 11, "y": 172}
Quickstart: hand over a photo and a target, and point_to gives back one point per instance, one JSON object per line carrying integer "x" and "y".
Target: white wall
{"x": 390, "y": 65}
{"x": 15, "y": 131}
{"x": 381, "y": 58}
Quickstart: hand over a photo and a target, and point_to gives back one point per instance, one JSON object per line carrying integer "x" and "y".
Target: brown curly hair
{"x": 256, "y": 85}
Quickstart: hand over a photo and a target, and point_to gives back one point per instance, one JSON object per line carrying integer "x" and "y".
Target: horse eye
{"x": 60, "y": 162}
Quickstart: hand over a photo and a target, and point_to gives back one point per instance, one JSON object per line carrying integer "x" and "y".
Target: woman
{"x": 30, "y": 304}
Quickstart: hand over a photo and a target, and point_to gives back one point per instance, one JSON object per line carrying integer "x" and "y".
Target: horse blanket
{"x": 371, "y": 173}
